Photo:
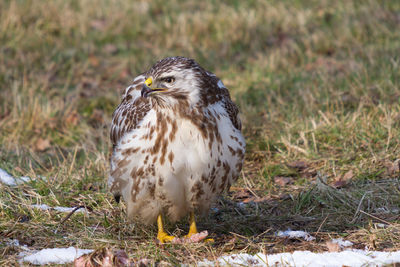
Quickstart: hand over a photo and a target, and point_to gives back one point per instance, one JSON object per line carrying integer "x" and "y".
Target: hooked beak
{"x": 147, "y": 90}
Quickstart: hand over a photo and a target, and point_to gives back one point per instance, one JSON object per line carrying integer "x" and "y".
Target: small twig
{"x": 358, "y": 207}
{"x": 239, "y": 235}
{"x": 324, "y": 117}
{"x": 70, "y": 214}
{"x": 287, "y": 143}
{"x": 247, "y": 182}
{"x": 73, "y": 161}
{"x": 376, "y": 218}
{"x": 266, "y": 231}
{"x": 320, "y": 226}
{"x": 238, "y": 211}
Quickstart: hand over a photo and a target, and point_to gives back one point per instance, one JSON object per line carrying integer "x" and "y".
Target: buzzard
{"x": 177, "y": 143}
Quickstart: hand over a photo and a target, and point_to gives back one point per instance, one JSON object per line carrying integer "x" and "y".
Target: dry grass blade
{"x": 318, "y": 88}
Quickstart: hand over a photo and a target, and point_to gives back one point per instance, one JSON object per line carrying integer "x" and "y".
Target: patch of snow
{"x": 13, "y": 243}
{"x": 295, "y": 234}
{"x": 342, "y": 243}
{"x": 6, "y": 178}
{"x": 380, "y": 225}
{"x": 24, "y": 179}
{"x": 44, "y": 178}
{"x": 10, "y": 180}
{"x": 55, "y": 255}
{"x": 57, "y": 208}
{"x": 352, "y": 258}
{"x": 241, "y": 205}
{"x": 387, "y": 210}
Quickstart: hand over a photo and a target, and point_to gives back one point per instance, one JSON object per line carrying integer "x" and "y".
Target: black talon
{"x": 117, "y": 198}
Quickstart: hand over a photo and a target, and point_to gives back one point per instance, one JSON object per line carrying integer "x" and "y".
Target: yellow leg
{"x": 162, "y": 235}
{"x": 193, "y": 228}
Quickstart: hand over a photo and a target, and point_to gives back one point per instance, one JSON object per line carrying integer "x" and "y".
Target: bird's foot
{"x": 193, "y": 236}
{"x": 192, "y": 231}
{"x": 163, "y": 237}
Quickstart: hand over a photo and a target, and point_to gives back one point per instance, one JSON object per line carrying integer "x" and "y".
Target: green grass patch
{"x": 317, "y": 84}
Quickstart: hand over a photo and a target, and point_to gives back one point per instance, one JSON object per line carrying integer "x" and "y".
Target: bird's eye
{"x": 169, "y": 79}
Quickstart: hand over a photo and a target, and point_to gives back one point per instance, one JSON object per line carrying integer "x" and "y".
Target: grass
{"x": 318, "y": 87}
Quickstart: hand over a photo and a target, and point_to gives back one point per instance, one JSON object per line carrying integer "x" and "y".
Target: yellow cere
{"x": 149, "y": 81}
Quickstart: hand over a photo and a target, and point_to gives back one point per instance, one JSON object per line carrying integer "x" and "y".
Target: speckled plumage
{"x": 175, "y": 151}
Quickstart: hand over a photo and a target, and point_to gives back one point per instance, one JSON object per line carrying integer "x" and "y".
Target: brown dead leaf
{"x": 308, "y": 173}
{"x": 256, "y": 199}
{"x": 299, "y": 165}
{"x": 242, "y": 193}
{"x": 248, "y": 200}
{"x": 52, "y": 123}
{"x": 339, "y": 184}
{"x": 262, "y": 199}
{"x": 303, "y": 168}
{"x": 94, "y": 61}
{"x": 110, "y": 48}
{"x": 99, "y": 24}
{"x": 97, "y": 117}
{"x": 42, "y": 144}
{"x": 348, "y": 175}
{"x": 332, "y": 247}
{"x": 282, "y": 180}
{"x": 72, "y": 118}
{"x": 342, "y": 181}
{"x": 393, "y": 168}
{"x": 103, "y": 257}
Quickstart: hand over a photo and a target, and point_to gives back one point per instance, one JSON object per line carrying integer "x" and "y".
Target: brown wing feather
{"x": 233, "y": 112}
{"x": 212, "y": 93}
{"x": 128, "y": 114}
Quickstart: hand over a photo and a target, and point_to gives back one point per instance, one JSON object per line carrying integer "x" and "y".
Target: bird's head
{"x": 176, "y": 79}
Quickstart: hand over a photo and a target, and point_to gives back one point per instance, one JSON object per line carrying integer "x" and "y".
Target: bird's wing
{"x": 232, "y": 111}
{"x": 130, "y": 112}
{"x": 217, "y": 91}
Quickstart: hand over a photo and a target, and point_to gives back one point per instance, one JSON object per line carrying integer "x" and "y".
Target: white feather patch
{"x": 221, "y": 84}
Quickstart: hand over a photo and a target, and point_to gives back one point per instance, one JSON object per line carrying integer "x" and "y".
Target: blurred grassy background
{"x": 317, "y": 83}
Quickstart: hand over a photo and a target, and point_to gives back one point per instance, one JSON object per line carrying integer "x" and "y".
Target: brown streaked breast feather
{"x": 127, "y": 116}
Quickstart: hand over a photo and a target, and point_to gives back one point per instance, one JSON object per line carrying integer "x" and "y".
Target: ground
{"x": 317, "y": 83}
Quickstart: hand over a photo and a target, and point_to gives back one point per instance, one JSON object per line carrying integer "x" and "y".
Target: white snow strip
{"x": 342, "y": 243}
{"x": 353, "y": 258}
{"x": 10, "y": 180}
{"x": 13, "y": 243}
{"x": 57, "y": 208}
{"x": 55, "y": 255}
{"x": 295, "y": 234}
